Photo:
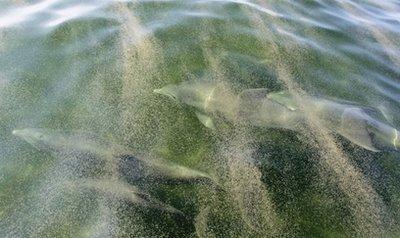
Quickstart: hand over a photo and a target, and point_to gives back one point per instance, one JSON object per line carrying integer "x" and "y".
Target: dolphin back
{"x": 255, "y": 107}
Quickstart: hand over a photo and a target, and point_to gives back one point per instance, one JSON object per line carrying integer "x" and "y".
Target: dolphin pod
{"x": 92, "y": 153}
{"x": 261, "y": 107}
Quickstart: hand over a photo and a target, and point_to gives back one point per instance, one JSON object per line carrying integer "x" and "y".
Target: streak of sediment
{"x": 367, "y": 207}
{"x": 140, "y": 57}
{"x": 245, "y": 207}
{"x": 251, "y": 206}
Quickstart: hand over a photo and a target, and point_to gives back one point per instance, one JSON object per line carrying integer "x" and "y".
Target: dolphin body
{"x": 84, "y": 145}
{"x": 260, "y": 107}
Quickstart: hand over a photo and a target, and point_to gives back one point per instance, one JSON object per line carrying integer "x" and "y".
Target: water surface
{"x": 92, "y": 66}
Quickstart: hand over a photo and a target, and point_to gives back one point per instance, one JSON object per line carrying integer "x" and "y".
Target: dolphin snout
{"x": 16, "y": 132}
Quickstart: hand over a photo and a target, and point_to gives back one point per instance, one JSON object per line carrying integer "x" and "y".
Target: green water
{"x": 92, "y": 66}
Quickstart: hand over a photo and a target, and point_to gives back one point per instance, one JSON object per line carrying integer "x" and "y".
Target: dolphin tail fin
{"x": 354, "y": 127}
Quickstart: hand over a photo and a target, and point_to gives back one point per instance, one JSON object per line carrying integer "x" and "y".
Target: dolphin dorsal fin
{"x": 355, "y": 128}
{"x": 205, "y": 120}
{"x": 284, "y": 98}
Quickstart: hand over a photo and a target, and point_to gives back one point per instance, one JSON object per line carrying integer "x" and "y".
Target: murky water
{"x": 112, "y": 158}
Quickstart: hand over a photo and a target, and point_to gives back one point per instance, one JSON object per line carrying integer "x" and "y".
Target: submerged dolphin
{"x": 121, "y": 190}
{"x": 85, "y": 145}
{"x": 260, "y": 107}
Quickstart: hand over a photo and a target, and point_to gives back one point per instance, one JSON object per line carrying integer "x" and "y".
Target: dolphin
{"x": 55, "y": 142}
{"x": 356, "y": 123}
{"x": 206, "y": 97}
{"x": 90, "y": 148}
{"x": 124, "y": 191}
{"x": 261, "y": 107}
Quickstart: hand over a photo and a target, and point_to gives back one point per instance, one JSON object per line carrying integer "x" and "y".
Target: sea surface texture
{"x": 297, "y": 138}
